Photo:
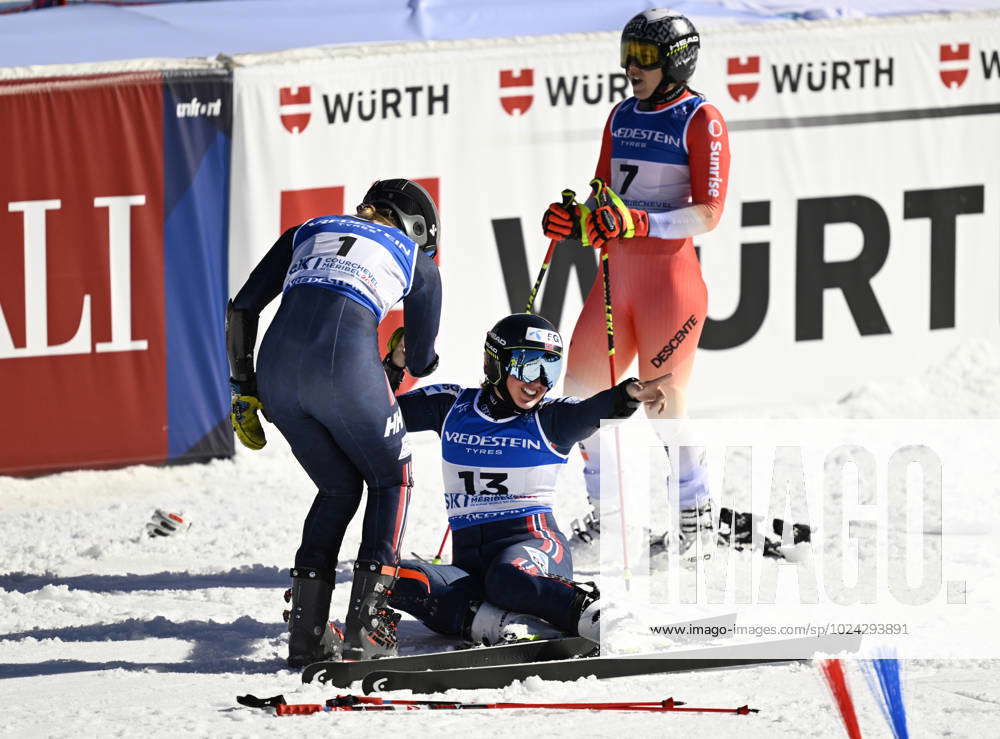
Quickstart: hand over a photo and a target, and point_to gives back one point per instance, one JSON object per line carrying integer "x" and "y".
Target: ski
{"x": 499, "y": 676}
{"x": 280, "y": 707}
{"x": 342, "y": 674}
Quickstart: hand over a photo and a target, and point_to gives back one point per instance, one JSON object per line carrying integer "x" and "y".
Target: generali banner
{"x": 113, "y": 237}
{"x": 861, "y": 231}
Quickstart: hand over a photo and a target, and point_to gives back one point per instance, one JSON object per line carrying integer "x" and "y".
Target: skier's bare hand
{"x": 649, "y": 393}
{"x": 396, "y": 348}
{"x": 399, "y": 354}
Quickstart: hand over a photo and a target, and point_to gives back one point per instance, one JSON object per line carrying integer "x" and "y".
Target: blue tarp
{"x": 82, "y": 32}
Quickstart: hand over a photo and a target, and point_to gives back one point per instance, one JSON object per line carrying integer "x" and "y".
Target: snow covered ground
{"x": 104, "y": 631}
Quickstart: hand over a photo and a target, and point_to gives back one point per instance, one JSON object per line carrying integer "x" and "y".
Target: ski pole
{"x": 598, "y": 187}
{"x": 304, "y": 709}
{"x": 444, "y": 539}
{"x": 568, "y": 197}
{"x": 376, "y": 700}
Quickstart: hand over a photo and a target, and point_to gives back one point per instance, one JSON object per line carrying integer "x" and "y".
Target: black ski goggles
{"x": 528, "y": 365}
{"x": 645, "y": 54}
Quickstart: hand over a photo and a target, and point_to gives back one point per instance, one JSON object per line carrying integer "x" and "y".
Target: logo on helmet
{"x": 525, "y": 79}
{"x": 682, "y": 44}
{"x": 543, "y": 336}
{"x": 294, "y": 108}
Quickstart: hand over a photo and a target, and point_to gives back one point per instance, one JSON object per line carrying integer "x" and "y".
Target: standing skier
{"x": 320, "y": 381}
{"x": 665, "y": 153}
{"x": 502, "y": 445}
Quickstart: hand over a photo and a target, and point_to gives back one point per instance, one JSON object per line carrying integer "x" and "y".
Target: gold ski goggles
{"x": 645, "y": 54}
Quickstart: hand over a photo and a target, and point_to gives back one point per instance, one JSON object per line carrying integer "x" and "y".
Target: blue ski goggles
{"x": 528, "y": 365}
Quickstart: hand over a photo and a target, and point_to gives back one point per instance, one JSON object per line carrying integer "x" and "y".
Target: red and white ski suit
{"x": 673, "y": 162}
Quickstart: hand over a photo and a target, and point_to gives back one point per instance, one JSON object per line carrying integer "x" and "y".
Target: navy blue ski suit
{"x": 321, "y": 382}
{"x": 519, "y": 561}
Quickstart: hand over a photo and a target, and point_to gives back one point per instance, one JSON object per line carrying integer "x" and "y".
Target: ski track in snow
{"x": 106, "y": 632}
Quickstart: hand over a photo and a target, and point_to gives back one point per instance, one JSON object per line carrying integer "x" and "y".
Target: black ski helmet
{"x": 412, "y": 206}
{"x": 518, "y": 336}
{"x": 661, "y": 38}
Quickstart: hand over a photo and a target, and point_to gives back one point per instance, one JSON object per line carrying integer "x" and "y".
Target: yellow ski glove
{"x": 246, "y": 424}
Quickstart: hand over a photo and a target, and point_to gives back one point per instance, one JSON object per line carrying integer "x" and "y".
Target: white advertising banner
{"x": 861, "y": 231}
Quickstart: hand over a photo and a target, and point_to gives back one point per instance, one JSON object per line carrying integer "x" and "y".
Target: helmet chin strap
{"x": 661, "y": 95}
{"x": 500, "y": 404}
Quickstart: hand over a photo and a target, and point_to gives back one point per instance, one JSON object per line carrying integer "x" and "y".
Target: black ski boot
{"x": 584, "y": 615}
{"x": 586, "y": 610}
{"x": 738, "y": 530}
{"x": 311, "y": 637}
{"x": 778, "y": 549}
{"x": 370, "y": 627}
{"x": 587, "y": 530}
{"x": 696, "y": 523}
